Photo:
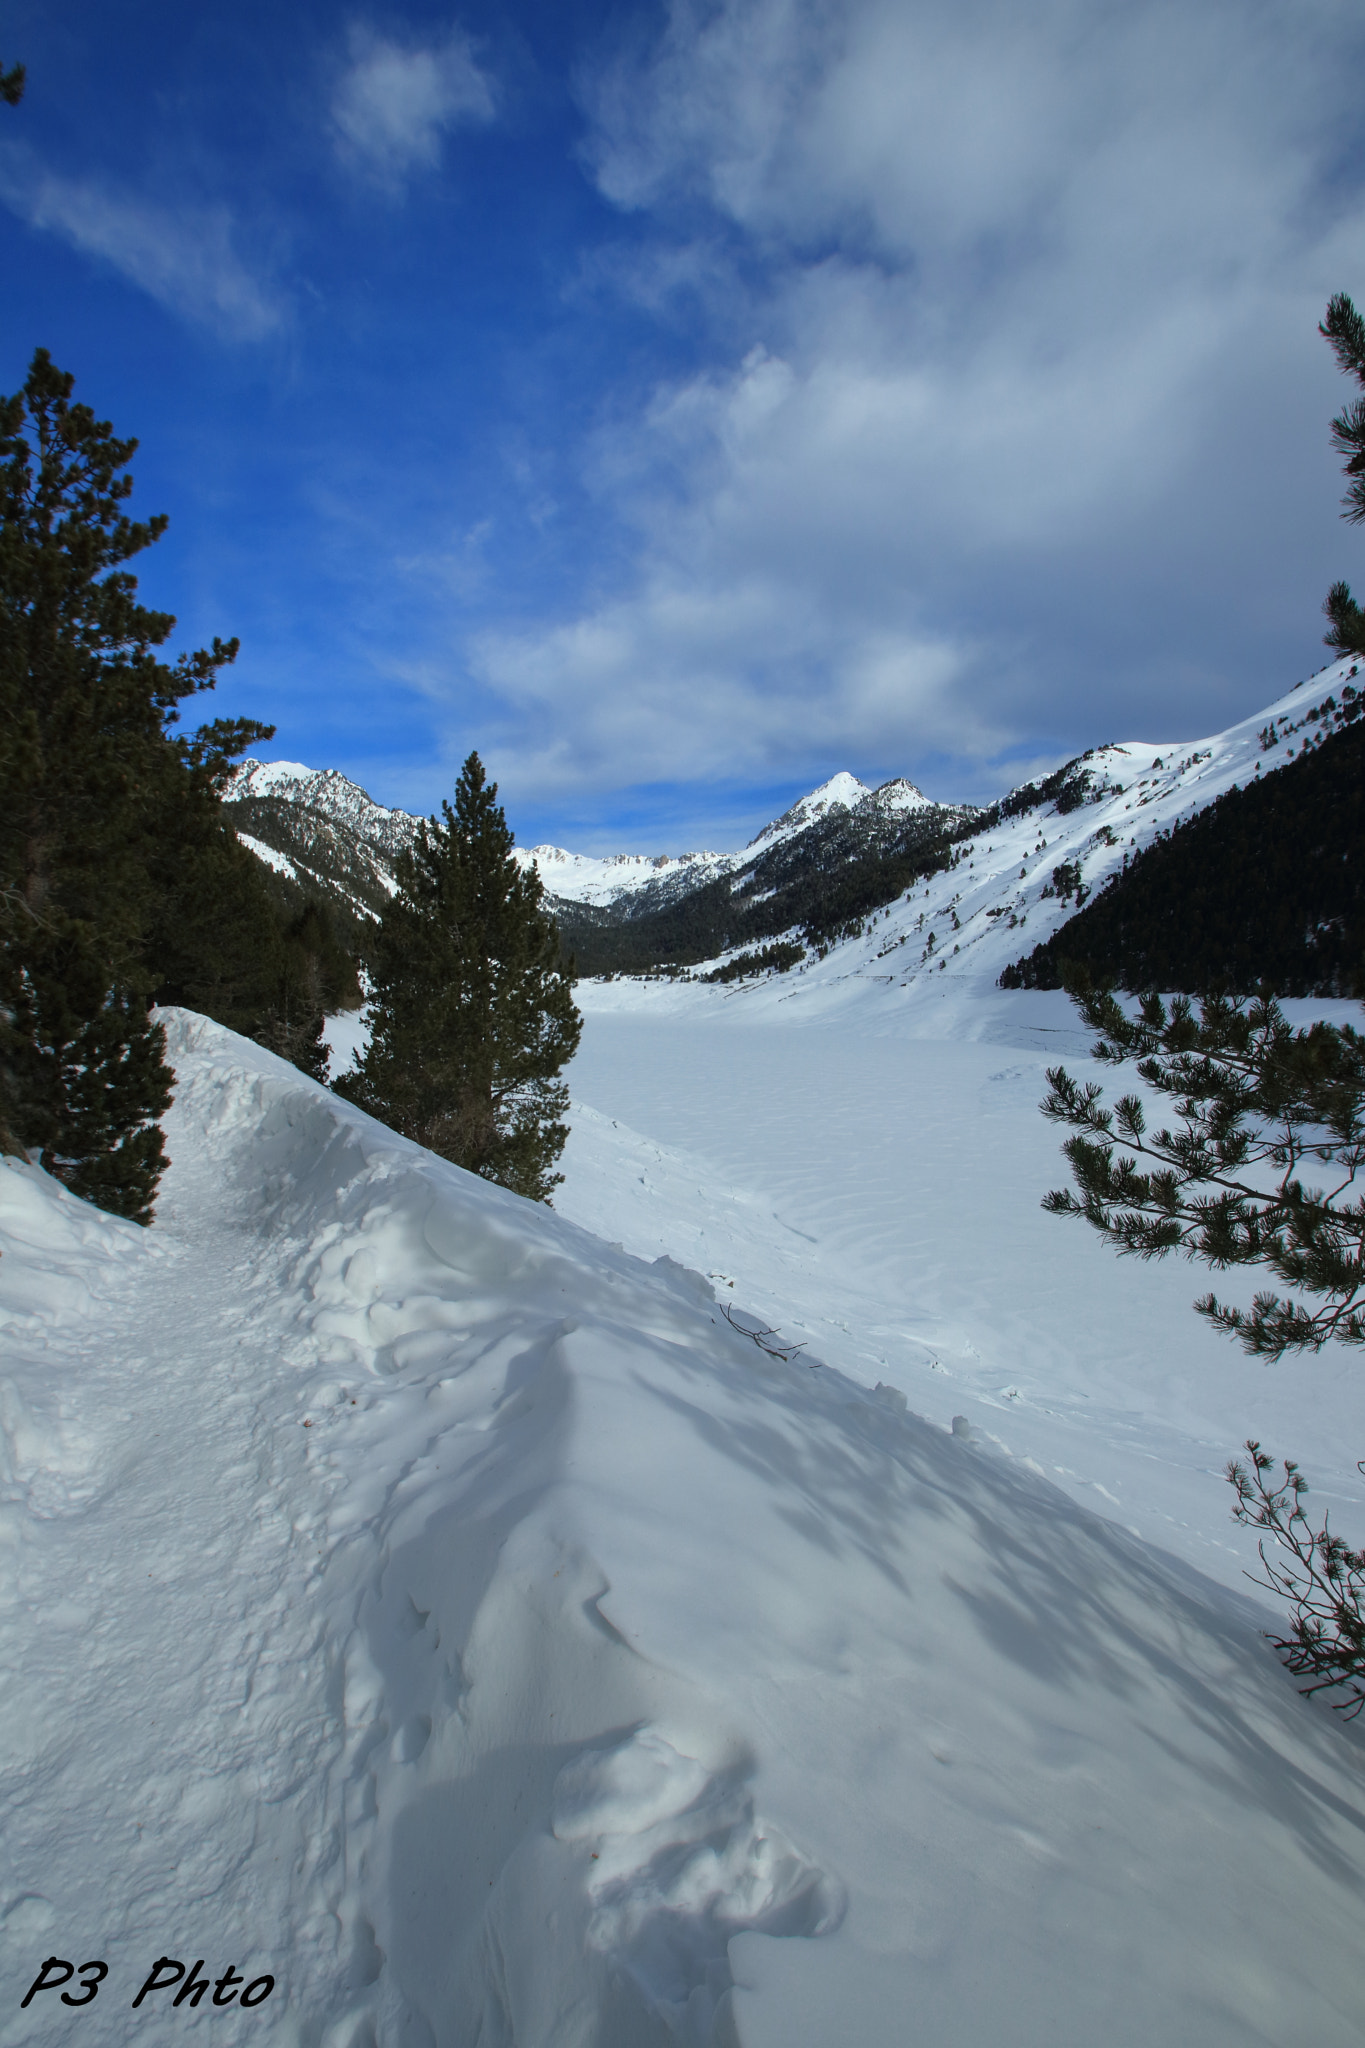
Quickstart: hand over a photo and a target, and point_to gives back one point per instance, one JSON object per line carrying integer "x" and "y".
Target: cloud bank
{"x": 1011, "y": 428}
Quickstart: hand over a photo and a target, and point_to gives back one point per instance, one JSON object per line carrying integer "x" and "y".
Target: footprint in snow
{"x": 679, "y": 1863}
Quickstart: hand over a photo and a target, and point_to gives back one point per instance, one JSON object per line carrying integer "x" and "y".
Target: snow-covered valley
{"x": 432, "y": 1602}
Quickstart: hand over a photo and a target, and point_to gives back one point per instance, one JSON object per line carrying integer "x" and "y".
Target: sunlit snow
{"x": 420, "y": 1599}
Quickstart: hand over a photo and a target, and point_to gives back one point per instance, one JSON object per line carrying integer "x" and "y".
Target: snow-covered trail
{"x": 244, "y": 1624}
{"x": 167, "y": 1712}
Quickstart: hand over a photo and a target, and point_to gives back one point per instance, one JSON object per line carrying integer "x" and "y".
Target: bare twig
{"x": 761, "y": 1336}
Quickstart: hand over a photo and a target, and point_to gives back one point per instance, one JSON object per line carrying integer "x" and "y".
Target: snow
{"x": 417, "y": 1597}
{"x": 346, "y": 1035}
{"x": 268, "y": 778}
{"x": 841, "y": 793}
{"x": 870, "y": 1185}
{"x": 279, "y": 861}
{"x": 438, "y": 1604}
{"x": 585, "y": 878}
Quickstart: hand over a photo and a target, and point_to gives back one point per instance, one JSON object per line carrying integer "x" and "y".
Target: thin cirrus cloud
{"x": 395, "y": 102}
{"x": 1006, "y": 286}
{"x": 184, "y": 257}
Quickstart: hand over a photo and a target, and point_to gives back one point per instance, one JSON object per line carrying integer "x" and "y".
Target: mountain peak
{"x": 843, "y": 792}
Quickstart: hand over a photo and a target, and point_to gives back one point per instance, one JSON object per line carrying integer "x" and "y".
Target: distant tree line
{"x": 778, "y": 958}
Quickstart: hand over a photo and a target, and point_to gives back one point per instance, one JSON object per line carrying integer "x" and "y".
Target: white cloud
{"x": 1024, "y": 436}
{"x": 182, "y": 256}
{"x": 722, "y": 681}
{"x": 395, "y": 102}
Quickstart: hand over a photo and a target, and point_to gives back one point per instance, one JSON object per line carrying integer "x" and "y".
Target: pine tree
{"x": 473, "y": 1017}
{"x": 93, "y": 786}
{"x": 1345, "y": 330}
{"x": 1256, "y": 1105}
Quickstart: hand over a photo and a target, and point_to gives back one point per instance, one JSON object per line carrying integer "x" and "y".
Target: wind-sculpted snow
{"x": 461, "y": 1621}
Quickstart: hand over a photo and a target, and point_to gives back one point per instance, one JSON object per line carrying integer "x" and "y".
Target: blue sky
{"x": 679, "y": 403}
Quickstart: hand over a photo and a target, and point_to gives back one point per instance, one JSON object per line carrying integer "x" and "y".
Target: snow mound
{"x": 486, "y": 1639}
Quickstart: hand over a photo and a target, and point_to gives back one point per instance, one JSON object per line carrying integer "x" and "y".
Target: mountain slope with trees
{"x": 1266, "y": 885}
{"x": 822, "y": 881}
{"x": 326, "y": 835}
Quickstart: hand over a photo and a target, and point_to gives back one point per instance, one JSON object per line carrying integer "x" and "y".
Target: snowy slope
{"x": 273, "y": 859}
{"x": 998, "y": 899}
{"x": 412, "y": 1597}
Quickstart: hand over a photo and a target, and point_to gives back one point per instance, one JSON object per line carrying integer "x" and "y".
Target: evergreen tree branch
{"x": 1320, "y": 1576}
{"x": 1344, "y": 328}
{"x": 1249, "y": 1093}
{"x": 1346, "y": 629}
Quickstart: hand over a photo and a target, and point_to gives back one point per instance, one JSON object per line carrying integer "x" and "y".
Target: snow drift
{"x": 411, "y": 1596}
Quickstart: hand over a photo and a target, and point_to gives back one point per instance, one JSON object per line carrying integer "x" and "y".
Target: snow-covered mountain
{"x": 1013, "y": 874}
{"x": 1014, "y": 879}
{"x": 609, "y": 878}
{"x": 616, "y": 878}
{"x": 316, "y": 825}
{"x": 320, "y": 829}
{"x": 843, "y": 792}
